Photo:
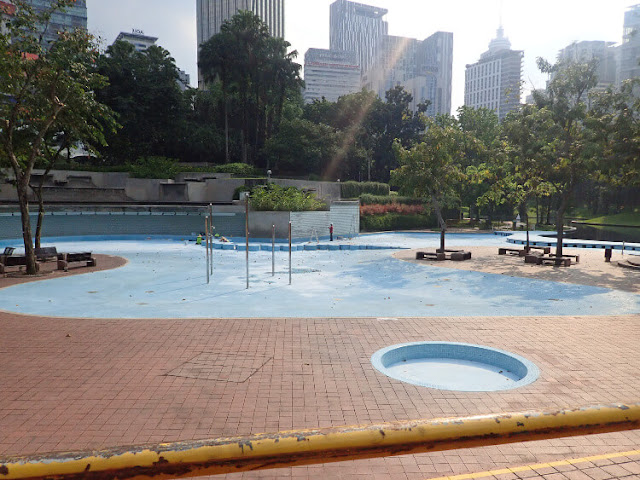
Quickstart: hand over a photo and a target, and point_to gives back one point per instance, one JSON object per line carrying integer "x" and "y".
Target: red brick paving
{"x": 119, "y": 382}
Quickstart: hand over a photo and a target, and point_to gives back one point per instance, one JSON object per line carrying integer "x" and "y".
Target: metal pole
{"x": 206, "y": 242}
{"x": 289, "y": 253}
{"x": 273, "y": 250}
{"x": 211, "y": 227}
{"x": 246, "y": 232}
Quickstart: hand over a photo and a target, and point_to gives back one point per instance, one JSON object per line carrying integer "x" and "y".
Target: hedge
{"x": 368, "y": 199}
{"x": 394, "y": 221}
{"x": 239, "y": 169}
{"x": 273, "y": 198}
{"x": 355, "y": 189}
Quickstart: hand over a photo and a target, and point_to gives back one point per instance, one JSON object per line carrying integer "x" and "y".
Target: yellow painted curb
{"x": 236, "y": 454}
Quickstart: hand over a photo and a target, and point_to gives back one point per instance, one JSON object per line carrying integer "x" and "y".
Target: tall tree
{"x": 257, "y": 72}
{"x": 393, "y": 120}
{"x": 566, "y": 156}
{"x": 143, "y": 90}
{"x": 615, "y": 125}
{"x": 40, "y": 86}
{"x": 432, "y": 168}
{"x": 482, "y": 150}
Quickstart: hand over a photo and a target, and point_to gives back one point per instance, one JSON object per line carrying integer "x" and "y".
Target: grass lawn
{"x": 631, "y": 219}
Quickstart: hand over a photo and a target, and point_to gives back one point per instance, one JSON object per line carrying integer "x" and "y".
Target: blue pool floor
{"x": 167, "y": 279}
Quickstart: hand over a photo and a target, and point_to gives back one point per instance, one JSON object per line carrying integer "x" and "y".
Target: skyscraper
{"x": 137, "y": 38}
{"x": 495, "y": 82}
{"x": 359, "y": 28}
{"x": 602, "y": 52}
{"x": 629, "y": 51}
{"x": 423, "y": 68}
{"x": 62, "y": 20}
{"x": 7, "y": 10}
{"x": 211, "y": 14}
{"x": 330, "y": 75}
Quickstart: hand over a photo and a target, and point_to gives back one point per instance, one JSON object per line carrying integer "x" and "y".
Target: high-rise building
{"x": 629, "y": 51}
{"x": 423, "y": 68}
{"x": 141, "y": 42}
{"x": 7, "y": 10}
{"x": 359, "y": 28}
{"x": 604, "y": 53}
{"x": 330, "y": 74}
{"x": 62, "y": 20}
{"x": 211, "y": 14}
{"x": 495, "y": 82}
{"x": 138, "y": 39}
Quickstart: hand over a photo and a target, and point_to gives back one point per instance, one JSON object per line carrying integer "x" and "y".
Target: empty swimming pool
{"x": 166, "y": 279}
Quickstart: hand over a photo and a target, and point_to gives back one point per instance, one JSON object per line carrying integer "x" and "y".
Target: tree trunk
{"x": 550, "y": 200}
{"x": 564, "y": 203}
{"x": 226, "y": 130}
{"x": 38, "y": 193}
{"x": 441, "y": 221}
{"x": 23, "y": 198}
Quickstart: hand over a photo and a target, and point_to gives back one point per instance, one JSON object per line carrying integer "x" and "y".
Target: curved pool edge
{"x": 533, "y": 372}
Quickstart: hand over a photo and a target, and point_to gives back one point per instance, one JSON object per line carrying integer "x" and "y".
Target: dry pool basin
{"x": 455, "y": 366}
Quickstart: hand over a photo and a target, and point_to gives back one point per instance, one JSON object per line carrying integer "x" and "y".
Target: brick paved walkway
{"x": 90, "y": 384}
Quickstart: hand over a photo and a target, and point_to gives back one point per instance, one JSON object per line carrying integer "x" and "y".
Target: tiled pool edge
{"x": 533, "y": 372}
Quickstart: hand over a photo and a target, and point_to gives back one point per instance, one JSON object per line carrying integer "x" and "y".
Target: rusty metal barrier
{"x": 303, "y": 447}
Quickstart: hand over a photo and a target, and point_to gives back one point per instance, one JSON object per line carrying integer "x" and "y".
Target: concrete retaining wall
{"x": 228, "y": 220}
{"x": 88, "y": 187}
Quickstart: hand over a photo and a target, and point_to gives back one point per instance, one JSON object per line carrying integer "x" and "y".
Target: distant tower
{"x": 137, "y": 38}
{"x": 629, "y": 51}
{"x": 211, "y": 14}
{"x": 495, "y": 81}
{"x": 422, "y": 67}
{"x": 330, "y": 75}
{"x": 62, "y": 20}
{"x": 359, "y": 28}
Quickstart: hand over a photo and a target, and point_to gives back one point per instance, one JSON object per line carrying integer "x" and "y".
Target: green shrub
{"x": 238, "y": 169}
{"x": 241, "y": 188}
{"x": 355, "y": 189}
{"x": 153, "y": 167}
{"x": 273, "y": 198}
{"x": 368, "y": 199}
{"x": 394, "y": 221}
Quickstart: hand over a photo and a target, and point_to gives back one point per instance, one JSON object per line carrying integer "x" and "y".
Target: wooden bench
{"x": 455, "y": 255}
{"x": 14, "y": 261}
{"x": 67, "y": 258}
{"x": 545, "y": 250}
{"x": 532, "y": 258}
{"x": 511, "y": 251}
{"x": 460, "y": 256}
{"x": 44, "y": 254}
{"x": 557, "y": 261}
{"x": 523, "y": 252}
{"x": 541, "y": 260}
{"x": 431, "y": 256}
{"x": 564, "y": 255}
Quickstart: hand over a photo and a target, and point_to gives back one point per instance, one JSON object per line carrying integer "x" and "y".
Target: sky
{"x": 538, "y": 27}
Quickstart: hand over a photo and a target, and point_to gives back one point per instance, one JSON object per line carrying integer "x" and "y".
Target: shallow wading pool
{"x": 166, "y": 278}
{"x": 455, "y": 366}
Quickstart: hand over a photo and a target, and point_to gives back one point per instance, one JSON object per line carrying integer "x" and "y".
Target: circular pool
{"x": 455, "y": 366}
